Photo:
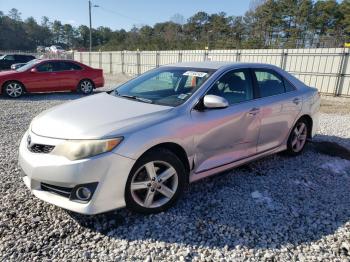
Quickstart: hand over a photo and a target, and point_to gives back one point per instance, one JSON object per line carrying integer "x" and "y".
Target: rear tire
{"x": 13, "y": 89}
{"x": 297, "y": 138}
{"x": 86, "y": 87}
{"x": 155, "y": 182}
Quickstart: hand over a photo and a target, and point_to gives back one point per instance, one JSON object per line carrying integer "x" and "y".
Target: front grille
{"x": 39, "y": 148}
{"x": 62, "y": 191}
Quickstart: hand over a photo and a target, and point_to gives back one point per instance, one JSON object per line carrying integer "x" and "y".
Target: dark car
{"x": 16, "y": 66}
{"x": 7, "y": 60}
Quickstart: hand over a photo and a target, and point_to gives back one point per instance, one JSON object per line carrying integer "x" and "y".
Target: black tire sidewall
{"x": 160, "y": 155}
{"x": 290, "y": 150}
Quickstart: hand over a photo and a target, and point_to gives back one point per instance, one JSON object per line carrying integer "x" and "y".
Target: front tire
{"x": 86, "y": 87}
{"x": 13, "y": 89}
{"x": 155, "y": 182}
{"x": 298, "y": 138}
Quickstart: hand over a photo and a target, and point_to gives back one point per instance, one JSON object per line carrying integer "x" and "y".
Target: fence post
{"x": 342, "y": 71}
{"x": 284, "y": 59}
{"x": 110, "y": 63}
{"x": 81, "y": 57}
{"x": 100, "y": 60}
{"x": 180, "y": 57}
{"x": 157, "y": 58}
{"x": 122, "y": 58}
{"x": 138, "y": 59}
{"x": 89, "y": 58}
{"x": 205, "y": 55}
{"x": 238, "y": 56}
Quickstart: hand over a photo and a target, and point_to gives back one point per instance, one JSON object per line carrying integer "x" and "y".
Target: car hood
{"x": 8, "y": 72}
{"x": 96, "y": 116}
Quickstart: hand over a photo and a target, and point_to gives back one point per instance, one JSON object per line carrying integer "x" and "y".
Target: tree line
{"x": 268, "y": 24}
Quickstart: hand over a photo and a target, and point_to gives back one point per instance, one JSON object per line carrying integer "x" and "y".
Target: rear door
{"x": 46, "y": 78}
{"x": 229, "y": 134}
{"x": 279, "y": 105}
{"x": 70, "y": 75}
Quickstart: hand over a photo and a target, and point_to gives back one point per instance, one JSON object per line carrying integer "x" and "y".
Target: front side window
{"x": 170, "y": 86}
{"x": 48, "y": 67}
{"x": 9, "y": 58}
{"x": 235, "y": 86}
{"x": 269, "y": 83}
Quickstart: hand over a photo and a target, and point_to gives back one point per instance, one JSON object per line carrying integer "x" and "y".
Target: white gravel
{"x": 275, "y": 209}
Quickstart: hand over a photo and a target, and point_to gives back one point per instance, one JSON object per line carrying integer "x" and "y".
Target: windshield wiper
{"x": 135, "y": 97}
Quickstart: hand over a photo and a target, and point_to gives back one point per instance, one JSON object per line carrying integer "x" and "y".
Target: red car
{"x": 50, "y": 75}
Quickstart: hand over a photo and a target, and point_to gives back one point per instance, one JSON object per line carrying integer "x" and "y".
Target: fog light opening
{"x": 83, "y": 193}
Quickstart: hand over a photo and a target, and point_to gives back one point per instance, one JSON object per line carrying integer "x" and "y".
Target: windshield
{"x": 170, "y": 86}
{"x": 1, "y": 57}
{"x": 28, "y": 65}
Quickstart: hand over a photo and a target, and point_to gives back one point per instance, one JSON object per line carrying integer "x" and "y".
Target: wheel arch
{"x": 309, "y": 122}
{"x": 175, "y": 148}
{"x": 17, "y": 81}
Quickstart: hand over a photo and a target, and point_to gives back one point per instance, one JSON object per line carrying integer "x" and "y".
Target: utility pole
{"x": 90, "y": 25}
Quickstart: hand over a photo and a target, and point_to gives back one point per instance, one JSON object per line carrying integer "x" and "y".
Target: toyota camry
{"x": 140, "y": 145}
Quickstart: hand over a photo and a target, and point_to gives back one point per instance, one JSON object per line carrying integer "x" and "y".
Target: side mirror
{"x": 33, "y": 70}
{"x": 212, "y": 101}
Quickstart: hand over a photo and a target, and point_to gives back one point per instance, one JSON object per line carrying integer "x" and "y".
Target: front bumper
{"x": 109, "y": 170}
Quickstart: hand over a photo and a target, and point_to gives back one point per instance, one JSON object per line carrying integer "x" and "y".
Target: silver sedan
{"x": 141, "y": 144}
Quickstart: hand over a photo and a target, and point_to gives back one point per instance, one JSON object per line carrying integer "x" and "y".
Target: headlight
{"x": 79, "y": 149}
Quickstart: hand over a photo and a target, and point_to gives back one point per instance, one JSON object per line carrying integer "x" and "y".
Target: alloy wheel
{"x": 86, "y": 86}
{"x": 154, "y": 184}
{"x": 14, "y": 89}
{"x": 299, "y": 137}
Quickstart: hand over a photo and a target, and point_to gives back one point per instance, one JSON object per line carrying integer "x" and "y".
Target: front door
{"x": 229, "y": 134}
{"x": 46, "y": 78}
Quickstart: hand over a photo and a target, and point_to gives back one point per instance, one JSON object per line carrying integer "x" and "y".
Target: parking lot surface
{"x": 275, "y": 209}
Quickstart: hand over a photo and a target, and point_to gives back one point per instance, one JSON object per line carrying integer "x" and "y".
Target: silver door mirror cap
{"x": 213, "y": 101}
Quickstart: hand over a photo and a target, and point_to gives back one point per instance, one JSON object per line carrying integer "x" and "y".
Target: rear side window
{"x": 21, "y": 58}
{"x": 269, "y": 83}
{"x": 288, "y": 86}
{"x": 69, "y": 66}
{"x": 28, "y": 58}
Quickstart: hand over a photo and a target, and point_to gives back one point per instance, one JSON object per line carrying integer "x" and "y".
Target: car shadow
{"x": 269, "y": 203}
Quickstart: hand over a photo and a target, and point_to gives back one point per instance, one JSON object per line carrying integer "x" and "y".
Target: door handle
{"x": 296, "y": 101}
{"x": 254, "y": 111}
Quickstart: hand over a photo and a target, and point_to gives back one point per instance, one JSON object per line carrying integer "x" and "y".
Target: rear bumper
{"x": 109, "y": 170}
{"x": 99, "y": 82}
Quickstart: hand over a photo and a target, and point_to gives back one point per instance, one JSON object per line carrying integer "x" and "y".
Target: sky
{"x": 118, "y": 14}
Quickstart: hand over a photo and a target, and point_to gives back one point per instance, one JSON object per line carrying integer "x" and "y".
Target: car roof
{"x": 217, "y": 65}
{"x": 57, "y": 60}
{"x": 20, "y": 55}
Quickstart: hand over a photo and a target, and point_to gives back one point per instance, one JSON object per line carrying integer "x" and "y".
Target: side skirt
{"x": 197, "y": 176}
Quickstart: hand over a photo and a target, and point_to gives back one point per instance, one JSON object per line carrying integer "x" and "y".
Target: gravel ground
{"x": 275, "y": 209}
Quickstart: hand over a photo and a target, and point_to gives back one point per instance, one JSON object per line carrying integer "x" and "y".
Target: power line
{"x": 120, "y": 14}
